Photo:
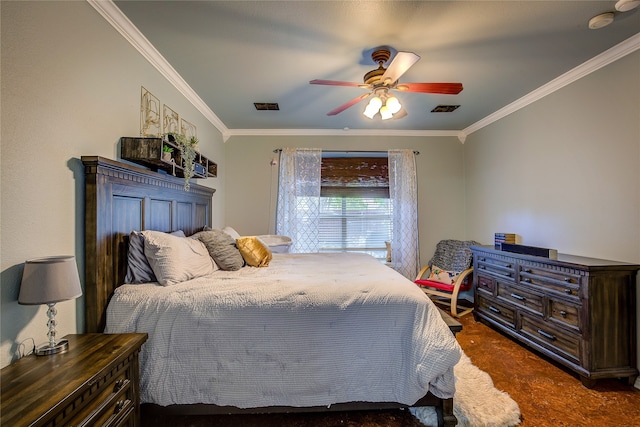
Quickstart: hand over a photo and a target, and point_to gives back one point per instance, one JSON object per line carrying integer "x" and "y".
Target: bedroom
{"x": 568, "y": 177}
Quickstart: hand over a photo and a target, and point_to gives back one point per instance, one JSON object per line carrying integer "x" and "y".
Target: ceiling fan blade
{"x": 400, "y": 114}
{"x": 400, "y": 64}
{"x": 336, "y": 83}
{"x": 351, "y": 103}
{"x": 443, "y": 88}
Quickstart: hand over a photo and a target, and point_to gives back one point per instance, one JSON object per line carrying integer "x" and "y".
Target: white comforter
{"x": 309, "y": 330}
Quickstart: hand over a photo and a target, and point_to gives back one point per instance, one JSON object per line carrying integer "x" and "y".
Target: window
{"x": 356, "y": 214}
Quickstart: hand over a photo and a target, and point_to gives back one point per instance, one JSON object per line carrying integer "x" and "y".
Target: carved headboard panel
{"x": 120, "y": 198}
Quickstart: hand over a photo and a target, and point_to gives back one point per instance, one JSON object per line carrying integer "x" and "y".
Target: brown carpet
{"x": 547, "y": 394}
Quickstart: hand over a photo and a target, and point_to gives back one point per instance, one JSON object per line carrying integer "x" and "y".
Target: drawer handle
{"x": 482, "y": 267}
{"x": 567, "y": 291}
{"x": 495, "y": 310}
{"x": 567, "y": 279}
{"x": 119, "y": 406}
{"x": 563, "y": 314}
{"x": 119, "y": 384}
{"x": 518, "y": 297}
{"x": 526, "y": 280}
{"x": 507, "y": 274}
{"x": 508, "y": 266}
{"x": 528, "y": 270}
{"x": 546, "y": 335}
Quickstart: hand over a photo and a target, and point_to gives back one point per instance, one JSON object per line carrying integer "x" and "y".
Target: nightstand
{"x": 96, "y": 382}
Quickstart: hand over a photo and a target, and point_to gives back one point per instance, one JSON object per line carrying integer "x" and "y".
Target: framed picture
{"x": 170, "y": 120}
{"x": 187, "y": 129}
{"x": 149, "y": 114}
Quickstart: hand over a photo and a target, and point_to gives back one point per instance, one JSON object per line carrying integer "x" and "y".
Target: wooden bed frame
{"x": 120, "y": 198}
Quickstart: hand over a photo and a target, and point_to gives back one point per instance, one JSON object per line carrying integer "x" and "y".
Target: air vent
{"x": 266, "y": 106}
{"x": 445, "y": 108}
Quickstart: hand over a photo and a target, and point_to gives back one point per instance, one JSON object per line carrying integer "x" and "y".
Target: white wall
{"x": 252, "y": 181}
{"x": 564, "y": 172}
{"x": 70, "y": 87}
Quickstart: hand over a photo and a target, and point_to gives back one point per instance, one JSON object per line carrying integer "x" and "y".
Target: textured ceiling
{"x": 235, "y": 53}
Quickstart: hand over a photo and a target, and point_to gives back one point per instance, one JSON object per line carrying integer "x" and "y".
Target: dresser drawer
{"x": 496, "y": 311}
{"x": 486, "y": 284}
{"x": 498, "y": 266}
{"x": 551, "y": 337}
{"x": 521, "y": 297}
{"x": 566, "y": 314}
{"x": 566, "y": 284}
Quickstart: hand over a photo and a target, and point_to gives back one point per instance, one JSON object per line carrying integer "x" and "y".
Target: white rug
{"x": 477, "y": 403}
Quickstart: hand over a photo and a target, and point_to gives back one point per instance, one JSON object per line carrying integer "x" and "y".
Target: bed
{"x": 262, "y": 339}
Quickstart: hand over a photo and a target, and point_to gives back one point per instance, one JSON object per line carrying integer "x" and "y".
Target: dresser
{"x": 578, "y": 311}
{"x": 96, "y": 382}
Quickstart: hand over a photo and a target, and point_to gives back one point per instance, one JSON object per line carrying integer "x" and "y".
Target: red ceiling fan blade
{"x": 444, "y": 88}
{"x": 400, "y": 64}
{"x": 336, "y": 83}
{"x": 351, "y": 103}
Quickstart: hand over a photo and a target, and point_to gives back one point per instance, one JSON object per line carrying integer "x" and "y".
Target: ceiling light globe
{"x": 627, "y": 5}
{"x": 600, "y": 21}
{"x": 370, "y": 112}
{"x": 393, "y": 104}
{"x": 385, "y": 112}
{"x": 376, "y": 103}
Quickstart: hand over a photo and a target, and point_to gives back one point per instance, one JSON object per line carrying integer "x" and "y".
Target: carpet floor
{"x": 547, "y": 394}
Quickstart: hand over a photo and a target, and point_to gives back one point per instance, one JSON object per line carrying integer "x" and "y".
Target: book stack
{"x": 501, "y": 238}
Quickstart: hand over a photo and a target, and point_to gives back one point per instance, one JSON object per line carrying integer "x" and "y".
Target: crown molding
{"x": 338, "y": 132}
{"x": 130, "y": 32}
{"x": 597, "y": 62}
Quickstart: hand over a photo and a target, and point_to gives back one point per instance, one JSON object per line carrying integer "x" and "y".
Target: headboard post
{"x": 120, "y": 198}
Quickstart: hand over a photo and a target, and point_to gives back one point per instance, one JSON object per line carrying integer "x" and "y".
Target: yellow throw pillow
{"x": 254, "y": 251}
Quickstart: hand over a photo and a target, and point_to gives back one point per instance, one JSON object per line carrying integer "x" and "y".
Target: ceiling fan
{"x": 381, "y": 81}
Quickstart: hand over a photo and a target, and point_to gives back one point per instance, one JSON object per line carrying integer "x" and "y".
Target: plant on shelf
{"x": 166, "y": 152}
{"x": 187, "y": 147}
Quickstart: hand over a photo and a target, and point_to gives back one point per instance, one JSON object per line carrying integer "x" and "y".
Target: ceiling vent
{"x": 260, "y": 106}
{"x": 445, "y": 108}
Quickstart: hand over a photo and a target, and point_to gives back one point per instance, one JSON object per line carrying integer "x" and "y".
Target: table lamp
{"x": 48, "y": 281}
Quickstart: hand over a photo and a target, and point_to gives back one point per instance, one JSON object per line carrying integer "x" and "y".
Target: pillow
{"x": 254, "y": 251}
{"x": 176, "y": 259}
{"x": 231, "y": 232}
{"x": 222, "y": 248}
{"x": 442, "y": 276}
{"x": 138, "y": 268}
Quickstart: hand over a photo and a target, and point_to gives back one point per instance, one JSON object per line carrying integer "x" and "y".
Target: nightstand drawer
{"x": 103, "y": 401}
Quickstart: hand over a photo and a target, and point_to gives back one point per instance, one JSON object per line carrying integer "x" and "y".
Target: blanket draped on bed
{"x": 309, "y": 330}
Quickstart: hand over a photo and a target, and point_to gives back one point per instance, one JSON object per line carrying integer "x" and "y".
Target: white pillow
{"x": 231, "y": 232}
{"x": 176, "y": 259}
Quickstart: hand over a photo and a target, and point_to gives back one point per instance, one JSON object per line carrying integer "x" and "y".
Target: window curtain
{"x": 298, "y": 206}
{"x": 403, "y": 191}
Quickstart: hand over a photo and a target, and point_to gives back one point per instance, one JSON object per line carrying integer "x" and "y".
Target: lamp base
{"x": 48, "y": 349}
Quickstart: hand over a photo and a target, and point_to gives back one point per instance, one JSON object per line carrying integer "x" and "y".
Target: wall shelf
{"x": 148, "y": 151}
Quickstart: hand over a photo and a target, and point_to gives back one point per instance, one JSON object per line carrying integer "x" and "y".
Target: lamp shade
{"x": 49, "y": 280}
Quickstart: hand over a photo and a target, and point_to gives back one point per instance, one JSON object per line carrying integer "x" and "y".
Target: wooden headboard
{"x": 120, "y": 198}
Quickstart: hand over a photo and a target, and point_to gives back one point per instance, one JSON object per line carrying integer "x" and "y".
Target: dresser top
{"x": 566, "y": 259}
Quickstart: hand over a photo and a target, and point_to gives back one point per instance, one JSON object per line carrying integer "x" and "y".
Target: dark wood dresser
{"x": 578, "y": 311}
{"x": 96, "y": 382}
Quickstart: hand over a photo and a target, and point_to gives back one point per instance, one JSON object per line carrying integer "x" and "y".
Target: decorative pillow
{"x": 138, "y": 268}
{"x": 222, "y": 248}
{"x": 176, "y": 259}
{"x": 254, "y": 251}
{"x": 442, "y": 276}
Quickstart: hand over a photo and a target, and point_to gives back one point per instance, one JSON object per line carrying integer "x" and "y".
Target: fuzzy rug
{"x": 477, "y": 403}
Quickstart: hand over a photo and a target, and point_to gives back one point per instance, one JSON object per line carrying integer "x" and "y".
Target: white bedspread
{"x": 309, "y": 330}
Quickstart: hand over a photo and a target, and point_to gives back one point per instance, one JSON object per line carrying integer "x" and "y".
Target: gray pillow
{"x": 222, "y": 248}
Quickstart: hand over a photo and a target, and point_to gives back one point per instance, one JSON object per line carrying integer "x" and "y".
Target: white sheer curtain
{"x": 298, "y": 208}
{"x": 403, "y": 191}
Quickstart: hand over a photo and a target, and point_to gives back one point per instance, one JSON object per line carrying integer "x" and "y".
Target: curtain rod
{"x": 278, "y": 150}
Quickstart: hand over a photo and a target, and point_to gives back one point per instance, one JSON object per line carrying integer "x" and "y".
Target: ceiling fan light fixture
{"x": 600, "y": 21}
{"x": 627, "y": 5}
